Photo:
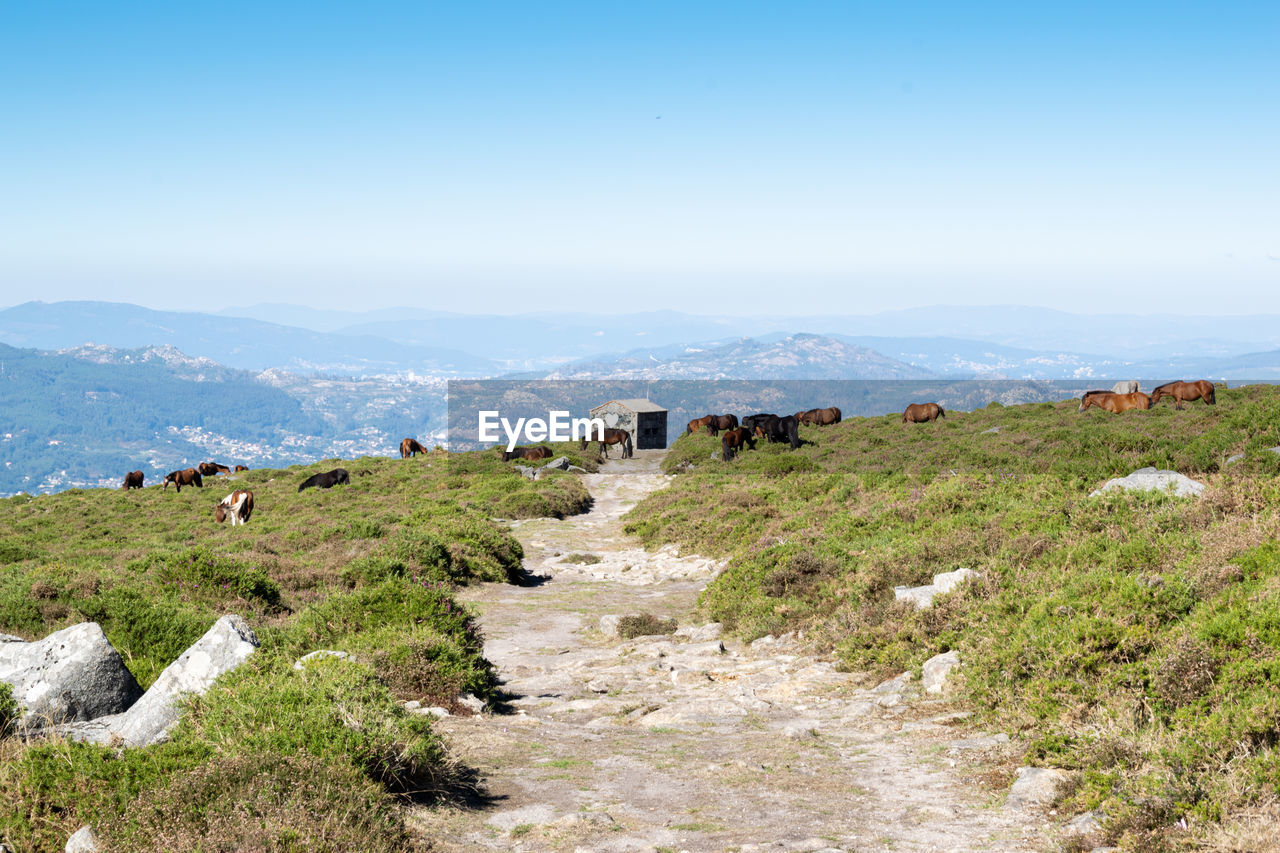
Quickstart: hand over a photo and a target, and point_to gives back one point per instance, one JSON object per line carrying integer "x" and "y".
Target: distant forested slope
{"x": 65, "y": 419}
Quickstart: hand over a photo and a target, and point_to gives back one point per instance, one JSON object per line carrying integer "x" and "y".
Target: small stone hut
{"x": 644, "y": 419}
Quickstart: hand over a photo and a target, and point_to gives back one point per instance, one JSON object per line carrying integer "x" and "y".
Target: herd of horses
{"x": 1131, "y": 398}
{"x": 772, "y": 427}
{"x": 238, "y": 505}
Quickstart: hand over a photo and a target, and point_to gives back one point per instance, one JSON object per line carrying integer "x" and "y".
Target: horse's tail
{"x": 626, "y": 446}
{"x": 726, "y": 452}
{"x": 942, "y": 413}
{"x": 1210, "y": 398}
{"x": 793, "y": 434}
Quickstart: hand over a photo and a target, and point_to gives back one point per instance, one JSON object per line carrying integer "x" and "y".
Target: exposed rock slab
{"x": 71, "y": 675}
{"x": 922, "y": 596}
{"x": 1035, "y": 786}
{"x": 1153, "y": 480}
{"x": 937, "y": 669}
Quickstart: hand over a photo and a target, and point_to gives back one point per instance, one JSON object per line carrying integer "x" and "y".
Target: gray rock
{"x": 1125, "y": 386}
{"x": 1275, "y": 450}
{"x": 560, "y": 463}
{"x": 73, "y": 674}
{"x": 991, "y": 431}
{"x": 980, "y": 742}
{"x": 936, "y": 669}
{"x": 223, "y": 648}
{"x": 897, "y": 684}
{"x": 526, "y": 472}
{"x": 1035, "y": 786}
{"x": 471, "y": 702}
{"x": 1234, "y": 458}
{"x": 711, "y": 647}
{"x": 301, "y": 663}
{"x": 9, "y": 638}
{"x": 922, "y": 596}
{"x": 609, "y": 625}
{"x": 701, "y": 633}
{"x": 1085, "y": 824}
{"x": 82, "y": 841}
{"x": 1151, "y": 480}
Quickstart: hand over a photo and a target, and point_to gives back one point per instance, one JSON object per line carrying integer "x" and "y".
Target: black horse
{"x": 327, "y": 480}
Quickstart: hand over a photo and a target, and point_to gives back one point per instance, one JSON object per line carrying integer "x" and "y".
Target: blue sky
{"x": 733, "y": 158}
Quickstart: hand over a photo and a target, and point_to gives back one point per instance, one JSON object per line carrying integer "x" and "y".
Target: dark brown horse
{"x": 819, "y": 417}
{"x": 918, "y": 413}
{"x": 531, "y": 453}
{"x": 240, "y": 468}
{"x": 613, "y": 436}
{"x": 185, "y": 477}
{"x": 132, "y": 480}
{"x": 410, "y": 447}
{"x": 1113, "y": 402}
{"x": 1185, "y": 392}
{"x": 734, "y": 440}
{"x": 721, "y": 422}
{"x": 212, "y": 469}
{"x": 697, "y": 424}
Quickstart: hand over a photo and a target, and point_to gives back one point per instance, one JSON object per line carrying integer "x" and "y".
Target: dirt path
{"x": 682, "y": 743}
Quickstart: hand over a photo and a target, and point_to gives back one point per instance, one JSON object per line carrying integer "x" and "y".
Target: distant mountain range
{"x": 241, "y": 343}
{"x": 955, "y": 341}
{"x": 790, "y": 357}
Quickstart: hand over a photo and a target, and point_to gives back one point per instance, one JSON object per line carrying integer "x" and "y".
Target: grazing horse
{"x": 212, "y": 469}
{"x": 410, "y": 447}
{"x": 327, "y": 480}
{"x": 531, "y": 453}
{"x": 721, "y": 422}
{"x": 185, "y": 477}
{"x": 1114, "y": 402}
{"x": 733, "y": 440}
{"x": 1181, "y": 392}
{"x": 697, "y": 424}
{"x": 759, "y": 423}
{"x": 918, "y": 413}
{"x": 819, "y": 417}
{"x": 1126, "y": 386}
{"x": 132, "y": 480}
{"x": 612, "y": 436}
{"x": 240, "y": 468}
{"x": 238, "y": 505}
{"x": 785, "y": 429}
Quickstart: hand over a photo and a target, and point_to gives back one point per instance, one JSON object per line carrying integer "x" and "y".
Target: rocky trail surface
{"x": 694, "y": 742}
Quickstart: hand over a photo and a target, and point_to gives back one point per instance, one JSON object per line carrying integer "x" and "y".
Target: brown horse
{"x": 918, "y": 413}
{"x": 697, "y": 424}
{"x": 238, "y": 506}
{"x": 212, "y": 469}
{"x": 819, "y": 417}
{"x": 721, "y": 422}
{"x": 1114, "y": 402}
{"x": 613, "y": 436}
{"x": 240, "y": 468}
{"x": 1185, "y": 392}
{"x": 531, "y": 453}
{"x": 734, "y": 440}
{"x": 132, "y": 480}
{"x": 185, "y": 477}
{"x": 410, "y": 447}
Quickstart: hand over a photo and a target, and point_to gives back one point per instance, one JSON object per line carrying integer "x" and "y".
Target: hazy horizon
{"x": 714, "y": 159}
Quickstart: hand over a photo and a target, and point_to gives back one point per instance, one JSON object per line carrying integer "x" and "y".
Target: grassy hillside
{"x": 271, "y": 754}
{"x": 1132, "y": 638}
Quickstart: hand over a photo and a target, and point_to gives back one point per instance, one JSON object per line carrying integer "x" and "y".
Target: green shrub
{"x": 9, "y": 711}
{"x": 202, "y": 573}
{"x": 644, "y": 625}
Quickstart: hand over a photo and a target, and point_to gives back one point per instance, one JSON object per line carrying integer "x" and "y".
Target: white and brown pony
{"x": 238, "y": 506}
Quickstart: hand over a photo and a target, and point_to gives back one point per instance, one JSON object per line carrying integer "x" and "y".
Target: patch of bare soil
{"x": 688, "y": 742}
